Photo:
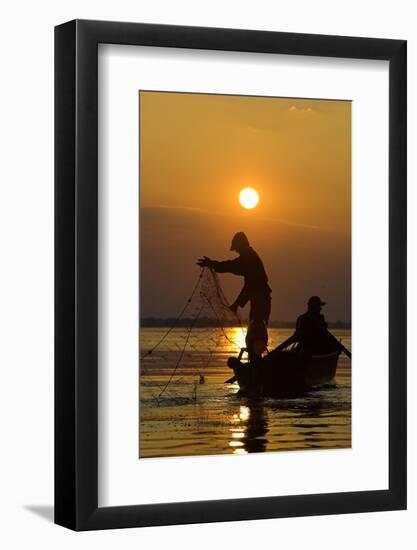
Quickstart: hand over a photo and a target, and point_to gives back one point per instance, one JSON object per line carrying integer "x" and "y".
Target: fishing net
{"x": 205, "y": 330}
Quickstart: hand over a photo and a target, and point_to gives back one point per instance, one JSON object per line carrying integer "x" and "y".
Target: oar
{"x": 341, "y": 346}
{"x": 292, "y": 339}
{"x": 231, "y": 380}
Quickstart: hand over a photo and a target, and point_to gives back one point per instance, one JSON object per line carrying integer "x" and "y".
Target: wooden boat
{"x": 285, "y": 373}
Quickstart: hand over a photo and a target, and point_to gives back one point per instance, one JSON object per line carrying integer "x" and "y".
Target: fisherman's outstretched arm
{"x": 228, "y": 266}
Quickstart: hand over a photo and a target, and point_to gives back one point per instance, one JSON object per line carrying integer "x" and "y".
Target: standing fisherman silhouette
{"x": 255, "y": 290}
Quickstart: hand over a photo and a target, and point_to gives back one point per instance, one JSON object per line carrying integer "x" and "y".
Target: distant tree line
{"x": 204, "y": 322}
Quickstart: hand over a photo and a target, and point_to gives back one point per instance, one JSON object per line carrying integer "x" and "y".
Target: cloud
{"x": 304, "y": 110}
{"x": 167, "y": 207}
{"x": 217, "y": 217}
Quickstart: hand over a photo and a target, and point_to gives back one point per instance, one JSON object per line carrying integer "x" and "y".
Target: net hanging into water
{"x": 181, "y": 354}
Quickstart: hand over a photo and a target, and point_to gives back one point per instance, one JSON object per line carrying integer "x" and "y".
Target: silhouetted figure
{"x": 255, "y": 290}
{"x": 311, "y": 330}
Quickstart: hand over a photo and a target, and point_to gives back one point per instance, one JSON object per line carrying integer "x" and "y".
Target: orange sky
{"x": 198, "y": 151}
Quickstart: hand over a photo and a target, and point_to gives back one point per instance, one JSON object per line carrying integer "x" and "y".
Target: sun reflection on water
{"x": 239, "y": 432}
{"x": 236, "y": 444}
{"x": 244, "y": 413}
{"x": 248, "y": 430}
{"x": 237, "y": 338}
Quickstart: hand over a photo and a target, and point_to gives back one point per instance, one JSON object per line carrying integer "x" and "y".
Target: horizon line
{"x": 214, "y": 322}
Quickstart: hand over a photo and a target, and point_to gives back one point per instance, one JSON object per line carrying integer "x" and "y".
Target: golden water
{"x": 190, "y": 418}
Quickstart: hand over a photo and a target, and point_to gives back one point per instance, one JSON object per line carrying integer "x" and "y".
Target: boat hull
{"x": 286, "y": 374}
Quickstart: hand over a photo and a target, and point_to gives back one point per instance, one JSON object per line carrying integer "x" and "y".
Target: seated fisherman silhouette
{"x": 255, "y": 290}
{"x": 311, "y": 332}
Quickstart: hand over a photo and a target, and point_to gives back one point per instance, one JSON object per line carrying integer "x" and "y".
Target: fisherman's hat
{"x": 315, "y": 300}
{"x": 239, "y": 240}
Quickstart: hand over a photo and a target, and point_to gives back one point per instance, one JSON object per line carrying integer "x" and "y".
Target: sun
{"x": 248, "y": 197}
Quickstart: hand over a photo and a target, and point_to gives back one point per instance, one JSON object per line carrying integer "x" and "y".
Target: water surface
{"x": 180, "y": 416}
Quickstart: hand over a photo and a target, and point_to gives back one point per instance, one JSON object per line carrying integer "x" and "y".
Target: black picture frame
{"x": 76, "y": 273}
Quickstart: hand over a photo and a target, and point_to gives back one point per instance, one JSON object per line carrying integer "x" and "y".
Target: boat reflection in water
{"x": 248, "y": 430}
